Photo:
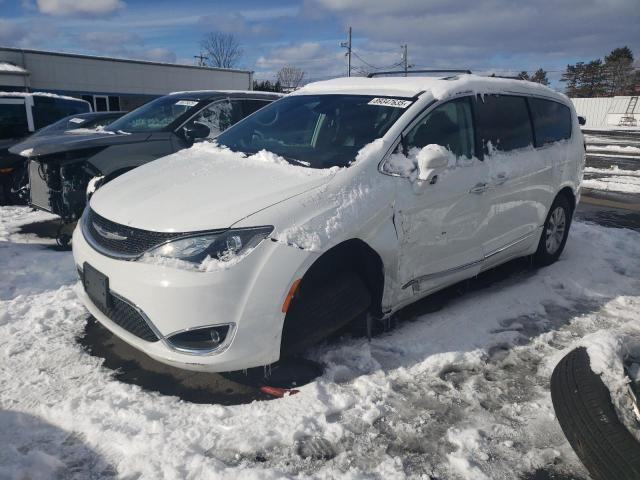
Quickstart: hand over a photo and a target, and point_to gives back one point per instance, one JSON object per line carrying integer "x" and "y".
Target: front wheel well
{"x": 567, "y": 192}
{"x": 345, "y": 282}
{"x": 357, "y": 256}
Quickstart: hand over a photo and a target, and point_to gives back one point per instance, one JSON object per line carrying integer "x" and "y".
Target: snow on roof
{"x": 6, "y": 67}
{"x": 39, "y": 94}
{"x": 438, "y": 87}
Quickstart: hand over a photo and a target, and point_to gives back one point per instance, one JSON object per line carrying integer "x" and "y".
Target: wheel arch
{"x": 569, "y": 194}
{"x": 356, "y": 255}
{"x": 349, "y": 257}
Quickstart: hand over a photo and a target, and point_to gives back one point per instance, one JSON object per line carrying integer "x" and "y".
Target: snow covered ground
{"x": 461, "y": 392}
{"x": 621, "y": 153}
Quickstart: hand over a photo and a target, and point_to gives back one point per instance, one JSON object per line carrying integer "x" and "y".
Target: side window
{"x": 219, "y": 116}
{"x": 47, "y": 110}
{"x": 250, "y": 106}
{"x": 503, "y": 121}
{"x": 551, "y": 120}
{"x": 449, "y": 125}
{"x": 13, "y": 119}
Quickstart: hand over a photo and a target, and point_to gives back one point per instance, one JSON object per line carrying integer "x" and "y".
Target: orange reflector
{"x": 277, "y": 391}
{"x": 292, "y": 291}
{"x": 7, "y": 170}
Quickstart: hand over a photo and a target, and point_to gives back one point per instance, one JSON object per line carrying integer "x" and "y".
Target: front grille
{"x": 127, "y": 317}
{"x": 114, "y": 239}
{"x": 38, "y": 188}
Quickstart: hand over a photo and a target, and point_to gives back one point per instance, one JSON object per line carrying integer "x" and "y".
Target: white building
{"x": 609, "y": 111}
{"x": 109, "y": 83}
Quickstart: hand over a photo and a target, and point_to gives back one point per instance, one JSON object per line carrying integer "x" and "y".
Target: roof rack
{"x": 493, "y": 75}
{"x": 402, "y": 72}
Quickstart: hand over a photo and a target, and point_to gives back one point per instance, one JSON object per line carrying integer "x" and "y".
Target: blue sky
{"x": 484, "y": 35}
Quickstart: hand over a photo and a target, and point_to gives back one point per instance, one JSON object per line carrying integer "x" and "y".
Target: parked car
{"x": 61, "y": 169}
{"x": 348, "y": 197}
{"x": 73, "y": 124}
{"x": 21, "y": 114}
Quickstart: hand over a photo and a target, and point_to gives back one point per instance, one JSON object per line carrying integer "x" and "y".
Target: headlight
{"x": 221, "y": 247}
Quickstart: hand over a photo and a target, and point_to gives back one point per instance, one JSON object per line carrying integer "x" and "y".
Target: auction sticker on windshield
{"x": 390, "y": 102}
{"x": 186, "y": 103}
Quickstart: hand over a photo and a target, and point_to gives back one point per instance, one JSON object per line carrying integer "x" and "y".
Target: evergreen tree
{"x": 572, "y": 77}
{"x": 524, "y": 75}
{"x": 540, "y": 76}
{"x": 618, "y": 66}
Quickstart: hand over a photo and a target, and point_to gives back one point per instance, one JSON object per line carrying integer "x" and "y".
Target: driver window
{"x": 449, "y": 125}
{"x": 219, "y": 116}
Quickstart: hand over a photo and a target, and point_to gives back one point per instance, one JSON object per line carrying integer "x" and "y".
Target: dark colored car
{"x": 60, "y": 170}
{"x": 21, "y": 114}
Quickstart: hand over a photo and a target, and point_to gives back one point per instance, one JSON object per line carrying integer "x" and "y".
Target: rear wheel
{"x": 321, "y": 306}
{"x": 555, "y": 232}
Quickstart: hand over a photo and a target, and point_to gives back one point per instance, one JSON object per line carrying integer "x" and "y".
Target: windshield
{"x": 153, "y": 116}
{"x": 317, "y": 131}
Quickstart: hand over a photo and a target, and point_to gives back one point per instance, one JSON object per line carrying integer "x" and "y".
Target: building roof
{"x": 116, "y": 59}
{"x": 438, "y": 87}
{"x": 12, "y": 69}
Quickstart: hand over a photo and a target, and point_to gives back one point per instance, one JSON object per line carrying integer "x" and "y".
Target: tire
{"x": 321, "y": 307}
{"x": 588, "y": 419}
{"x": 555, "y": 232}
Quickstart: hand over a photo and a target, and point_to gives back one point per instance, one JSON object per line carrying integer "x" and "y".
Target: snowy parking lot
{"x": 458, "y": 388}
{"x": 455, "y": 390}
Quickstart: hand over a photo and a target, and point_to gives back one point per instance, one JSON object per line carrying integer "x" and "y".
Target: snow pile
{"x": 614, "y": 149}
{"x": 460, "y": 393}
{"x": 613, "y": 170}
{"x": 614, "y": 183}
{"x": 10, "y": 67}
{"x": 40, "y": 94}
{"x": 348, "y": 206}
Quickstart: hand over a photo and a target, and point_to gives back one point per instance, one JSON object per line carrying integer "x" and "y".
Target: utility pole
{"x": 347, "y": 45}
{"x": 405, "y": 58}
{"x": 201, "y": 58}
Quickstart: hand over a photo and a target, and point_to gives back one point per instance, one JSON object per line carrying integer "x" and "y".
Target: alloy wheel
{"x": 555, "y": 230}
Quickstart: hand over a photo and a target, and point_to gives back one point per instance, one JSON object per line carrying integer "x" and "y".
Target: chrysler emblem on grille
{"x": 107, "y": 234}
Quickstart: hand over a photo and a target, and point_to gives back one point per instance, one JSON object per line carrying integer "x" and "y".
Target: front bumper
{"x": 248, "y": 295}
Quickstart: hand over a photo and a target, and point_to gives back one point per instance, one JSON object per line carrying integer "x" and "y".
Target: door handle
{"x": 479, "y": 188}
{"x": 501, "y": 178}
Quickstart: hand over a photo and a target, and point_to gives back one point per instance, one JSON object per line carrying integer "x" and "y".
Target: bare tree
{"x": 290, "y": 77}
{"x": 222, "y": 49}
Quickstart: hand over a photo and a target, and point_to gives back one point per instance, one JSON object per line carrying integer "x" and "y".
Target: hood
{"x": 202, "y": 188}
{"x": 48, "y": 144}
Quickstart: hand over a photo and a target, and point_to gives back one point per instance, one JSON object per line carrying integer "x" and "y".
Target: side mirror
{"x": 431, "y": 161}
{"x": 196, "y": 131}
{"x": 582, "y": 120}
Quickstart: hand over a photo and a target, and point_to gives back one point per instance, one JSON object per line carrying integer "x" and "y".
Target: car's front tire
{"x": 555, "y": 232}
{"x": 322, "y": 305}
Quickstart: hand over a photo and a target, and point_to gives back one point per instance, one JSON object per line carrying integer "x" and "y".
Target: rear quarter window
{"x": 503, "y": 121}
{"x": 551, "y": 121}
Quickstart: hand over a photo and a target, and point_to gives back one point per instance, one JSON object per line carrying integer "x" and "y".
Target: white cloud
{"x": 156, "y": 55}
{"x": 79, "y": 7}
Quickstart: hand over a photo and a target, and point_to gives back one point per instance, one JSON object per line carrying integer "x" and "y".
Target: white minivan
{"x": 348, "y": 197}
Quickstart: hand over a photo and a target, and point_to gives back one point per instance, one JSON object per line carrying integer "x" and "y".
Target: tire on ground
{"x": 542, "y": 257}
{"x": 588, "y": 419}
{"x": 322, "y": 306}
